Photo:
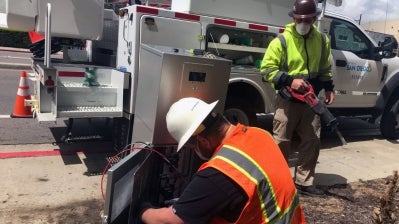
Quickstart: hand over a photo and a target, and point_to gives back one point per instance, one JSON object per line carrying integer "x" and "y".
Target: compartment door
{"x": 170, "y": 32}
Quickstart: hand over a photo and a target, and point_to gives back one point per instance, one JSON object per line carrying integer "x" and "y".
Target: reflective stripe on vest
{"x": 265, "y": 192}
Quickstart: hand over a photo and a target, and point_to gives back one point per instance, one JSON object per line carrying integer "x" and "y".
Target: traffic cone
{"x": 20, "y": 110}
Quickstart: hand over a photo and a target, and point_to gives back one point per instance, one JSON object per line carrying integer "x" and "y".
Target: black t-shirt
{"x": 210, "y": 194}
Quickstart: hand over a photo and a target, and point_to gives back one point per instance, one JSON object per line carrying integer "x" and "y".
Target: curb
{"x": 6, "y": 65}
{"x": 16, "y": 66}
{"x": 22, "y": 50}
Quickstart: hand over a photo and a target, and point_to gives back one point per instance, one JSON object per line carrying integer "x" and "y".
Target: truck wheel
{"x": 389, "y": 125}
{"x": 236, "y": 115}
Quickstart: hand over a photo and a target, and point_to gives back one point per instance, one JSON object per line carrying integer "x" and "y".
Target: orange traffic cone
{"x": 20, "y": 110}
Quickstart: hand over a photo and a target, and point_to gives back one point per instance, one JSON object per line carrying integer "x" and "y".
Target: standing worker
{"x": 245, "y": 179}
{"x": 301, "y": 55}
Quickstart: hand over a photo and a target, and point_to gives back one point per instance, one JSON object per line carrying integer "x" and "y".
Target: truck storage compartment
{"x": 244, "y": 47}
{"x": 67, "y": 18}
{"x": 76, "y": 92}
{"x": 270, "y": 12}
{"x": 18, "y": 15}
{"x": 161, "y": 31}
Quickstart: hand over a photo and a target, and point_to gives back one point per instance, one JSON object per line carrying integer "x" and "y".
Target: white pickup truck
{"x": 366, "y": 77}
{"x": 366, "y": 74}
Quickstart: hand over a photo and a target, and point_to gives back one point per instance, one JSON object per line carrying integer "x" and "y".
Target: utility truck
{"x": 132, "y": 64}
{"x": 365, "y": 72}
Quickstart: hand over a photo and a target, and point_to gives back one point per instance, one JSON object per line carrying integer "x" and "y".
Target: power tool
{"x": 318, "y": 107}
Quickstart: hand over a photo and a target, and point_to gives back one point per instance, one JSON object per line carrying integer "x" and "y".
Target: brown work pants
{"x": 295, "y": 119}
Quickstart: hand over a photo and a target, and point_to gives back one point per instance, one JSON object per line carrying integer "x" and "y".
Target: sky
{"x": 368, "y": 10}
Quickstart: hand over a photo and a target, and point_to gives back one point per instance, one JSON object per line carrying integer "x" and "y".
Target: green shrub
{"x": 14, "y": 39}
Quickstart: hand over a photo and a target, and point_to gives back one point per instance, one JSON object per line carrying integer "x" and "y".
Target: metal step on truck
{"x": 131, "y": 64}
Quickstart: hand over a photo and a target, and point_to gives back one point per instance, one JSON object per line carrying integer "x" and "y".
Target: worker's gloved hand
{"x": 299, "y": 85}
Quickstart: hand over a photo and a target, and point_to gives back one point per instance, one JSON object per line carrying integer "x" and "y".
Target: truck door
{"x": 357, "y": 76}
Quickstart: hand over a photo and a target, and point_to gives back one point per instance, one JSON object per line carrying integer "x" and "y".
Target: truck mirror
{"x": 388, "y": 48}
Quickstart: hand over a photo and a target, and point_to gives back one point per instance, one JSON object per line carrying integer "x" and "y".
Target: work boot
{"x": 309, "y": 190}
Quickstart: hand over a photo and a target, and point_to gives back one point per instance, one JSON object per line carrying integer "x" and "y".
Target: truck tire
{"x": 236, "y": 115}
{"x": 389, "y": 125}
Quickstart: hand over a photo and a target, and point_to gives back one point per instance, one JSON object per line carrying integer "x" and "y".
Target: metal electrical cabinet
{"x": 167, "y": 75}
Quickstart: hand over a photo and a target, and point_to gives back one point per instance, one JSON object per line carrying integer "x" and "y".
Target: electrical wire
{"x": 126, "y": 149}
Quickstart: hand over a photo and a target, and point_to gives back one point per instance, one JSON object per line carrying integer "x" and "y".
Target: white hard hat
{"x": 185, "y": 116}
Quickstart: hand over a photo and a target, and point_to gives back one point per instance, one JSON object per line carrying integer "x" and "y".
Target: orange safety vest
{"x": 251, "y": 158}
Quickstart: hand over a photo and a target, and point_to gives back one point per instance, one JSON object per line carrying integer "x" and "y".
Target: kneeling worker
{"x": 245, "y": 179}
